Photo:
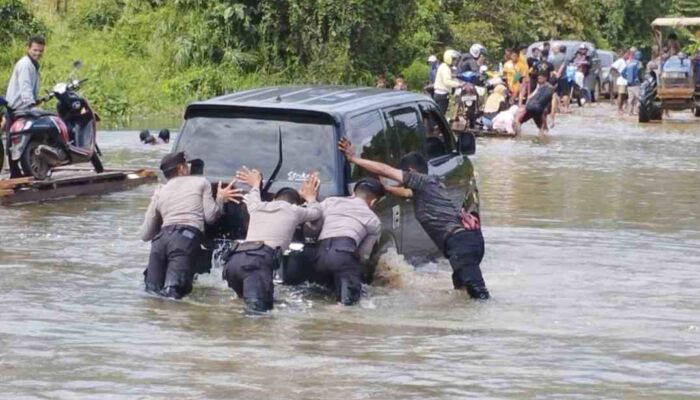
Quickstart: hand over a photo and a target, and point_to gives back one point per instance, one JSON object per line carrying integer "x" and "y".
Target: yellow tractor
{"x": 672, "y": 80}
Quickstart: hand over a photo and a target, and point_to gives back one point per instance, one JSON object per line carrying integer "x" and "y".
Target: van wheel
{"x": 32, "y": 164}
{"x": 97, "y": 163}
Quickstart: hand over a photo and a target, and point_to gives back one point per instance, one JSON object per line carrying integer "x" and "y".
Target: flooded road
{"x": 592, "y": 256}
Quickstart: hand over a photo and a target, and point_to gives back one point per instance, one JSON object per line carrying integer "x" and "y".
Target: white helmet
{"x": 432, "y": 59}
{"x": 476, "y": 50}
{"x": 449, "y": 56}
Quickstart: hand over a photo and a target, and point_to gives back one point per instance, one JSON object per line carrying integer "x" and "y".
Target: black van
{"x": 249, "y": 128}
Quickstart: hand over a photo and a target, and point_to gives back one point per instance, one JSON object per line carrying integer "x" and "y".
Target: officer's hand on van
{"x": 345, "y": 146}
{"x": 252, "y": 178}
{"x": 229, "y": 193}
{"x": 309, "y": 190}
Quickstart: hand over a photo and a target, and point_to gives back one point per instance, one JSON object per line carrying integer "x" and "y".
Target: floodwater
{"x": 593, "y": 259}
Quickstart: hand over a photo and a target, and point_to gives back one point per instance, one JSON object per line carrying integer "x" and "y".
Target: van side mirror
{"x": 466, "y": 143}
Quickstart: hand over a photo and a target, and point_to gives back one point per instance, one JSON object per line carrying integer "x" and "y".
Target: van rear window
{"x": 227, "y": 144}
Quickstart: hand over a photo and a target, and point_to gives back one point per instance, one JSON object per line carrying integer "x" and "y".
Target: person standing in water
{"x": 250, "y": 269}
{"x": 174, "y": 223}
{"x": 456, "y": 233}
{"x": 538, "y": 105}
{"x": 349, "y": 232}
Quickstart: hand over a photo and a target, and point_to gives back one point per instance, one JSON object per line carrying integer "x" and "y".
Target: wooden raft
{"x": 72, "y": 181}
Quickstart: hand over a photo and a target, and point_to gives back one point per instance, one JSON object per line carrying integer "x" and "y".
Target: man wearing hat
{"x": 174, "y": 224}
{"x": 350, "y": 230}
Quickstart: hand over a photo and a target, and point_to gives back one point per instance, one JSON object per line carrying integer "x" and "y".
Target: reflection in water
{"x": 592, "y": 252}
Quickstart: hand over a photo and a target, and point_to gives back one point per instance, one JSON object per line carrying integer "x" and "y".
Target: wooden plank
{"x": 27, "y": 195}
{"x": 26, "y": 189}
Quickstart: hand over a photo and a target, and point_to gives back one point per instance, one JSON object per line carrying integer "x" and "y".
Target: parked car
{"x": 607, "y": 83}
{"x": 295, "y": 130}
{"x": 592, "y": 81}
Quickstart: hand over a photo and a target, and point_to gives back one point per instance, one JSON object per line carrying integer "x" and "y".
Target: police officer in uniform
{"x": 457, "y": 234}
{"x": 250, "y": 269}
{"x": 350, "y": 230}
{"x": 174, "y": 223}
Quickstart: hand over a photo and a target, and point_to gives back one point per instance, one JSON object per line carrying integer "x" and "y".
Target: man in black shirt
{"x": 538, "y": 104}
{"x": 457, "y": 235}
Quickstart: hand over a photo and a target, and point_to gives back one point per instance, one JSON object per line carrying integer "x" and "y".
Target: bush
{"x": 98, "y": 14}
{"x": 416, "y": 74}
{"x": 17, "y": 22}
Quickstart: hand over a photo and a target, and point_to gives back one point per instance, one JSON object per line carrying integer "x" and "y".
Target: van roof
{"x": 335, "y": 101}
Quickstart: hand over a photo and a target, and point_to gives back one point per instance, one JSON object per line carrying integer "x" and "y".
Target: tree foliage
{"x": 150, "y": 55}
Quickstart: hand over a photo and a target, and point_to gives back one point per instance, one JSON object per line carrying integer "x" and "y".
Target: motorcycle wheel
{"x": 471, "y": 116}
{"x": 32, "y": 164}
{"x": 97, "y": 163}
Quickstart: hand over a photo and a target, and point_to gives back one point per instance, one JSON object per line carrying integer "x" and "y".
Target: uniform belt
{"x": 337, "y": 241}
{"x": 180, "y": 228}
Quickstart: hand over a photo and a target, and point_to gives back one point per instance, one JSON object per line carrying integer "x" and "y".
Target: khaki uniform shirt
{"x": 350, "y": 217}
{"x": 184, "y": 200}
{"x": 274, "y": 222}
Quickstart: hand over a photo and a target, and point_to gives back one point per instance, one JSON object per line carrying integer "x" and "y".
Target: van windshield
{"x": 227, "y": 144}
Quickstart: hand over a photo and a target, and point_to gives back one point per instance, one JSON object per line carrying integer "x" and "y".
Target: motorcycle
{"x": 39, "y": 141}
{"x": 470, "y": 98}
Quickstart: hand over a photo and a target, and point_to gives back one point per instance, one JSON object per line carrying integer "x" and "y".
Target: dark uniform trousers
{"x": 171, "y": 265}
{"x": 465, "y": 250}
{"x": 249, "y": 273}
{"x": 337, "y": 266}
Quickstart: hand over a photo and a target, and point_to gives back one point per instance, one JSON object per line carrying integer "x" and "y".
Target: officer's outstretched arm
{"x": 373, "y": 167}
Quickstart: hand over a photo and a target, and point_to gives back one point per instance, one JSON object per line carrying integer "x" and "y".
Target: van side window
{"x": 438, "y": 138}
{"x": 366, "y": 132}
{"x": 404, "y": 133}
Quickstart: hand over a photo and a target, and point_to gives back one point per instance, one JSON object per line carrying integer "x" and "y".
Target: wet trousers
{"x": 171, "y": 264}
{"x": 465, "y": 250}
{"x": 338, "y": 267}
{"x": 249, "y": 273}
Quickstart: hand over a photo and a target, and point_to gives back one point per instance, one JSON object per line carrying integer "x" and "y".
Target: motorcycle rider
{"x": 174, "y": 223}
{"x": 23, "y": 87}
{"x": 444, "y": 83}
{"x": 470, "y": 62}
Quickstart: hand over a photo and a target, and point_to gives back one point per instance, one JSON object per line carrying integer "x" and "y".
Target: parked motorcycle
{"x": 39, "y": 141}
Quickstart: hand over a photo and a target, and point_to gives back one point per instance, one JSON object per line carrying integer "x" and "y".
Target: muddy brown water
{"x": 593, "y": 258}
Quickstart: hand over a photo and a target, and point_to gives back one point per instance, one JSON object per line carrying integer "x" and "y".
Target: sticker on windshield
{"x": 293, "y": 176}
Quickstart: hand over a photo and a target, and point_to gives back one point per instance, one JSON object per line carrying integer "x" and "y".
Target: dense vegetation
{"x": 155, "y": 55}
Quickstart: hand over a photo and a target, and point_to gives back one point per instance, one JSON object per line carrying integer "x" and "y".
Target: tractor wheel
{"x": 647, "y": 94}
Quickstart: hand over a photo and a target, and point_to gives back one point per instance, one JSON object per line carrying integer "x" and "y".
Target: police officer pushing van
{"x": 250, "y": 269}
{"x": 174, "y": 223}
{"x": 457, "y": 234}
{"x": 349, "y": 232}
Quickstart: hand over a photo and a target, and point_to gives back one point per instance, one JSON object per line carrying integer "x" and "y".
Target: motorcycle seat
{"x": 33, "y": 113}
